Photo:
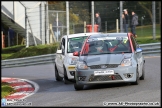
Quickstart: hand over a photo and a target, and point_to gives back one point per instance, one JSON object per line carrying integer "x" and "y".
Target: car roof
{"x": 109, "y": 35}
{"x": 80, "y": 34}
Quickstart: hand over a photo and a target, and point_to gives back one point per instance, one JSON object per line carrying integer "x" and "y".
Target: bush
{"x": 12, "y": 49}
{"x": 22, "y": 51}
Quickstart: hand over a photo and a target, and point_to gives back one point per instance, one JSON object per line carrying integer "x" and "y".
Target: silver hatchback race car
{"x": 109, "y": 58}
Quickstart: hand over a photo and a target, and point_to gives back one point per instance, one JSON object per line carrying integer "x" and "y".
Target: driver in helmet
{"x": 99, "y": 45}
{"x": 75, "y": 45}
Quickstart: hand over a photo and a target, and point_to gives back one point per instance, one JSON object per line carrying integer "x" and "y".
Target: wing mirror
{"x": 76, "y": 53}
{"x": 139, "y": 50}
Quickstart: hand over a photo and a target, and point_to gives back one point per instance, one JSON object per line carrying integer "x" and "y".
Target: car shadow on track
{"x": 51, "y": 85}
{"x": 103, "y": 86}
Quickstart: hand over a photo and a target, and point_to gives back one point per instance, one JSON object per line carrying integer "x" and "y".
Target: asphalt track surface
{"x": 53, "y": 93}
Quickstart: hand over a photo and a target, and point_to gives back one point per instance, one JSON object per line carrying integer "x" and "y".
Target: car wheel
{"x": 143, "y": 72}
{"x": 58, "y": 78}
{"x": 78, "y": 87}
{"x": 66, "y": 81}
{"x": 137, "y": 78}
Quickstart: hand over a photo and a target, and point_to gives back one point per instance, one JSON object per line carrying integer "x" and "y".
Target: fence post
{"x": 32, "y": 33}
{"x": 154, "y": 19}
{"x": 26, "y": 31}
{"x": 92, "y": 15}
{"x": 117, "y": 26}
{"x": 84, "y": 26}
{"x": 67, "y": 17}
{"x": 27, "y": 36}
{"x": 105, "y": 26}
{"x": 52, "y": 34}
{"x": 8, "y": 39}
{"x": 121, "y": 19}
{"x": 46, "y": 23}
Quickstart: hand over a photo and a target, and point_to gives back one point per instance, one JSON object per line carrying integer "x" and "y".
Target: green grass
{"x": 6, "y": 90}
{"x": 144, "y": 37}
{"x": 145, "y": 34}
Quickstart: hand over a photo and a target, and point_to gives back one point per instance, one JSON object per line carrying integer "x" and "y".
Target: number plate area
{"x": 104, "y": 72}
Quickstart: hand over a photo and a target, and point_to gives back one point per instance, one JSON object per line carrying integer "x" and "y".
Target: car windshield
{"x": 75, "y": 43}
{"x": 106, "y": 45}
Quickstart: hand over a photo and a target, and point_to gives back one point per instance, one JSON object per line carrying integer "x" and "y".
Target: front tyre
{"x": 78, "y": 87}
{"x": 66, "y": 81}
{"x": 143, "y": 72}
{"x": 58, "y": 78}
{"x": 137, "y": 78}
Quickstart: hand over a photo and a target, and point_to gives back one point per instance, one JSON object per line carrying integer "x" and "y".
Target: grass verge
{"x": 6, "y": 89}
{"x": 20, "y": 52}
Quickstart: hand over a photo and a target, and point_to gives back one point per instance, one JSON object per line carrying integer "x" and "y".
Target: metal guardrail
{"x": 27, "y": 61}
{"x": 148, "y": 50}
{"x": 151, "y": 49}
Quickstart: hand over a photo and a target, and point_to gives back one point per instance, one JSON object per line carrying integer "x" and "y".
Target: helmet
{"x": 99, "y": 43}
{"x": 74, "y": 44}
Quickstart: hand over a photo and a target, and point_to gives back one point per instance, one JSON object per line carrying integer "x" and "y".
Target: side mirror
{"x": 139, "y": 50}
{"x": 63, "y": 50}
{"x": 76, "y": 53}
{"x": 59, "y": 52}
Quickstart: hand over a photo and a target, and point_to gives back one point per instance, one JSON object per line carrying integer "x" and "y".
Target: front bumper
{"x": 121, "y": 74}
{"x": 70, "y": 69}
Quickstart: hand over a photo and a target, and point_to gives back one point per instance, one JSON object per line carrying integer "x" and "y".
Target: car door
{"x": 138, "y": 55}
{"x": 60, "y": 57}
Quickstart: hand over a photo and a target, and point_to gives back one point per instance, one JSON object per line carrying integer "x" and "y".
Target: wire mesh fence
{"x": 80, "y": 15}
{"x": 45, "y": 26}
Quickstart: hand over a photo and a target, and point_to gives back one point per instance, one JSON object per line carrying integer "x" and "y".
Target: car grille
{"x": 107, "y": 66}
{"x": 104, "y": 78}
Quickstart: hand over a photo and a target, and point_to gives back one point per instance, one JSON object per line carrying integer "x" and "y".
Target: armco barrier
{"x": 151, "y": 49}
{"x": 34, "y": 60}
{"x": 148, "y": 50}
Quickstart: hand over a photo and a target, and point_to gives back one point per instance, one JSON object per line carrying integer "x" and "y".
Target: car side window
{"x": 63, "y": 46}
{"x": 134, "y": 43}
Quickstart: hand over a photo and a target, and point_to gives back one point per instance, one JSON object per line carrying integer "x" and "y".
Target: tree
{"x": 61, "y": 6}
{"x": 81, "y": 9}
{"x": 147, "y": 7}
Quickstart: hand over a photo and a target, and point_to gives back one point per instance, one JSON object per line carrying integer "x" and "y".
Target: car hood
{"x": 71, "y": 55}
{"x": 104, "y": 59}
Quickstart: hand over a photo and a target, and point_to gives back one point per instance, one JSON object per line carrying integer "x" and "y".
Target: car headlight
{"x": 81, "y": 65}
{"x": 72, "y": 61}
{"x": 126, "y": 62}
